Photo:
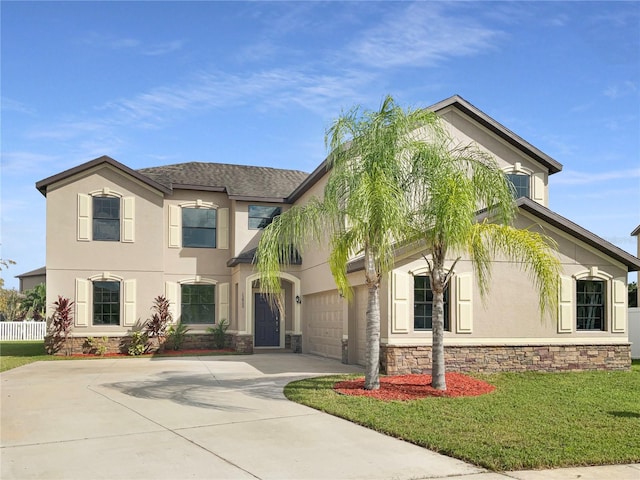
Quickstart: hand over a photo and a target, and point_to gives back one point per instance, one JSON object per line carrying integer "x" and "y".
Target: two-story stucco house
{"x": 118, "y": 237}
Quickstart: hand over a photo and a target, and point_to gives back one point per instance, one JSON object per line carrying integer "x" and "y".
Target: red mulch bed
{"x": 412, "y": 387}
{"x": 166, "y": 353}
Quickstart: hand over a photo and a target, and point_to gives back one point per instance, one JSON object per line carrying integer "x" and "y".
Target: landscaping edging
{"x": 402, "y": 360}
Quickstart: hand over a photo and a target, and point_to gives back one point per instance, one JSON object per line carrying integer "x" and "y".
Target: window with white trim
{"x": 197, "y": 303}
{"x": 423, "y": 304}
{"x": 591, "y": 296}
{"x": 105, "y": 215}
{"x": 106, "y": 218}
{"x": 198, "y": 227}
{"x": 106, "y": 303}
{"x": 521, "y": 184}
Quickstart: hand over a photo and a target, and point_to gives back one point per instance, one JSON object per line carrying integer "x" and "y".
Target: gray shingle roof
{"x": 239, "y": 181}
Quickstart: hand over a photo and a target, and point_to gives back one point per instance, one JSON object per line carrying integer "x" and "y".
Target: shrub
{"x": 138, "y": 344}
{"x": 176, "y": 335}
{"x": 98, "y": 346}
{"x": 60, "y": 324}
{"x": 218, "y": 332}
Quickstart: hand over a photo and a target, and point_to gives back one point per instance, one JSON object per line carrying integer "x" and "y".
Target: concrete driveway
{"x": 191, "y": 417}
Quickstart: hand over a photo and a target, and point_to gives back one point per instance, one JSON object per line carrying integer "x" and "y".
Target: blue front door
{"x": 267, "y": 323}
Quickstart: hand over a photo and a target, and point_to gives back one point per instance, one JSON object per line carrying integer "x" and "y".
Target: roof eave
{"x": 575, "y": 230}
{"x": 43, "y": 184}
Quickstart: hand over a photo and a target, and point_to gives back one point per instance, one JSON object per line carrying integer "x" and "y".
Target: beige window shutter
{"x": 619, "y": 310}
{"x": 566, "y": 306}
{"x": 223, "y": 302}
{"x": 223, "y": 228}
{"x": 82, "y": 302}
{"x": 128, "y": 219}
{"x": 84, "y": 217}
{"x": 174, "y": 226}
{"x": 538, "y": 187}
{"x": 172, "y": 295}
{"x": 464, "y": 303}
{"x": 401, "y": 285}
{"x": 129, "y": 299}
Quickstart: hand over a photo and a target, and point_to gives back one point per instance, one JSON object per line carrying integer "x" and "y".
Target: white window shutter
{"x": 619, "y": 320}
{"x": 82, "y": 302}
{"x": 84, "y": 217}
{"x": 401, "y": 284}
{"x": 464, "y": 303}
{"x": 171, "y": 294}
{"x": 128, "y": 219}
{"x": 566, "y": 307}
{"x": 223, "y": 302}
{"x": 129, "y": 299}
{"x": 223, "y": 229}
{"x": 174, "y": 226}
{"x": 538, "y": 187}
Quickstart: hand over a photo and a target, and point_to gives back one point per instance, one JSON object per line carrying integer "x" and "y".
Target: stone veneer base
{"x": 402, "y": 360}
{"x": 76, "y": 345}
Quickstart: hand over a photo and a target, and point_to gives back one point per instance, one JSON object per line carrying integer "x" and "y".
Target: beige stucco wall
{"x": 510, "y": 312}
{"x": 465, "y": 131}
{"x": 68, "y": 258}
{"x": 183, "y": 261}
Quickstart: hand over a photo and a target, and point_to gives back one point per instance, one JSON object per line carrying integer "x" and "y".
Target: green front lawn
{"x": 16, "y": 354}
{"x": 531, "y": 420}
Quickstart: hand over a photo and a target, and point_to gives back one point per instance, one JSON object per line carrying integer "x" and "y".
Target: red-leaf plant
{"x": 157, "y": 325}
{"x": 60, "y": 325}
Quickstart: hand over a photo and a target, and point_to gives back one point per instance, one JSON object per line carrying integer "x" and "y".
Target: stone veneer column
{"x": 243, "y": 343}
{"x": 296, "y": 342}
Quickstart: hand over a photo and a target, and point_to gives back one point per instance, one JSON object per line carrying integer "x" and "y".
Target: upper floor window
{"x": 197, "y": 304}
{"x": 106, "y": 218}
{"x": 106, "y": 303}
{"x": 590, "y": 304}
{"x": 423, "y": 304}
{"x": 261, "y": 216}
{"x": 521, "y": 184}
{"x": 198, "y": 227}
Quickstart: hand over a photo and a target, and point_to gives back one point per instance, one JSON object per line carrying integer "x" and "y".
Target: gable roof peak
{"x": 104, "y": 159}
{"x": 456, "y": 101}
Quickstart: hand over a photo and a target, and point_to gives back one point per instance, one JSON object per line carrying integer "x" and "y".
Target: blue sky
{"x": 154, "y": 83}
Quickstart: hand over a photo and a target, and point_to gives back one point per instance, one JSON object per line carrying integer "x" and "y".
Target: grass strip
{"x": 531, "y": 420}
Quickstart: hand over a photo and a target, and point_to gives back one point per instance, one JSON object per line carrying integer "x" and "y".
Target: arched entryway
{"x": 268, "y": 327}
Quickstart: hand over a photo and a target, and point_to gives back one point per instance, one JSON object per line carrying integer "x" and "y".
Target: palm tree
{"x": 362, "y": 211}
{"x": 450, "y": 187}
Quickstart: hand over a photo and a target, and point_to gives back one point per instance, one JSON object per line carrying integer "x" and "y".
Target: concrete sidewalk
{"x": 204, "y": 418}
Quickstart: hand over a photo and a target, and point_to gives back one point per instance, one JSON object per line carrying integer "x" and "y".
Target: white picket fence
{"x": 22, "y": 330}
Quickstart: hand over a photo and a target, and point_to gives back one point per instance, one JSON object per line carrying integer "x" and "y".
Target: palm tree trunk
{"x": 437, "y": 349}
{"x": 372, "y": 354}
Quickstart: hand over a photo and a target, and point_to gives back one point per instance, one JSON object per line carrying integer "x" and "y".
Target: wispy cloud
{"x": 421, "y": 35}
{"x": 133, "y": 45}
{"x": 574, "y": 177}
{"x": 621, "y": 89}
{"x": 274, "y": 89}
{"x": 11, "y": 105}
{"x": 27, "y": 163}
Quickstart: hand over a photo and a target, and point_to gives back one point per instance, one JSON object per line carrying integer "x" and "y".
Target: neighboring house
{"x": 32, "y": 279}
{"x": 118, "y": 237}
